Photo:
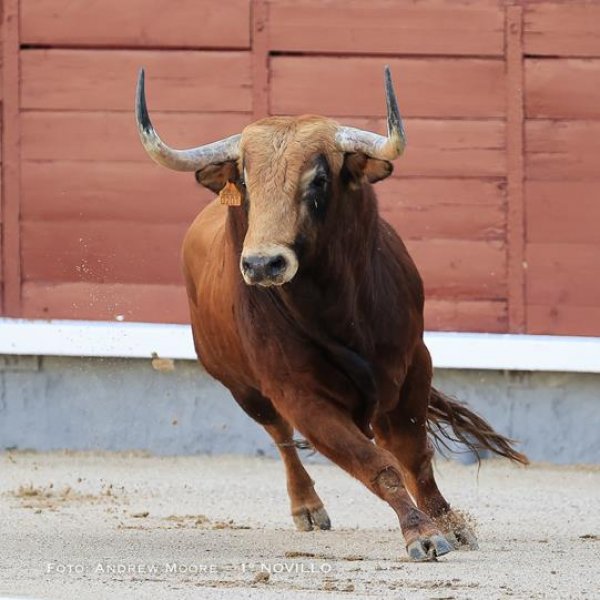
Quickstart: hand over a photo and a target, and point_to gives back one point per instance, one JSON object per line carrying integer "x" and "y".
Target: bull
{"x": 306, "y": 305}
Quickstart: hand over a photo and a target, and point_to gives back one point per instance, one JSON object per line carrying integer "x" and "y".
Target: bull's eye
{"x": 316, "y": 195}
{"x": 317, "y": 189}
{"x": 319, "y": 182}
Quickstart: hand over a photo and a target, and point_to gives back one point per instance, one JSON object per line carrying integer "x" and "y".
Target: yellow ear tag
{"x": 230, "y": 195}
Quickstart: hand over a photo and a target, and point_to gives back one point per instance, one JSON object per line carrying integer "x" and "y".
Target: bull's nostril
{"x": 276, "y": 265}
{"x": 246, "y": 265}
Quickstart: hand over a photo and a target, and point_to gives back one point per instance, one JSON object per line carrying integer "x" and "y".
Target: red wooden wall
{"x": 497, "y": 195}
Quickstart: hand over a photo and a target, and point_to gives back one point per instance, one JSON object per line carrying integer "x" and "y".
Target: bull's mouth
{"x": 266, "y": 283}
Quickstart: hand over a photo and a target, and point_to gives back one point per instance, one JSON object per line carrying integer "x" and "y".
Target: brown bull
{"x": 308, "y": 307}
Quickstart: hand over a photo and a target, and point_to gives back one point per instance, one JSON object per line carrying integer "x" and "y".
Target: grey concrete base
{"x": 554, "y": 416}
{"x": 49, "y": 403}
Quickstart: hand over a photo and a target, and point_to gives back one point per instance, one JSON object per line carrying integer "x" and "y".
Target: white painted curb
{"x": 141, "y": 340}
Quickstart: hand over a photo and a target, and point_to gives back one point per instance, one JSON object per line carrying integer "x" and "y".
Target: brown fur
{"x": 337, "y": 352}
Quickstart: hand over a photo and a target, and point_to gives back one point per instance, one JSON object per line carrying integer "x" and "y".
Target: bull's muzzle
{"x": 274, "y": 266}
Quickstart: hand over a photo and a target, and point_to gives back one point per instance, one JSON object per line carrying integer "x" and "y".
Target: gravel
{"x": 129, "y": 525}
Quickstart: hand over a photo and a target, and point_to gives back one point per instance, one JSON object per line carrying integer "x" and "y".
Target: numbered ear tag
{"x": 230, "y": 195}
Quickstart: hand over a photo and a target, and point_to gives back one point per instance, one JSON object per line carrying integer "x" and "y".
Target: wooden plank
{"x": 96, "y": 191}
{"x": 146, "y": 302}
{"x": 260, "y": 59}
{"x": 563, "y": 88}
{"x": 432, "y": 87}
{"x": 563, "y": 211}
{"x": 561, "y": 319}
{"x": 466, "y": 315}
{"x": 515, "y": 171}
{"x": 112, "y": 136}
{"x": 446, "y": 222}
{"x": 102, "y": 251}
{"x": 444, "y": 208}
{"x": 109, "y": 191}
{"x": 105, "y": 80}
{"x": 461, "y": 270}
{"x": 166, "y": 303}
{"x": 563, "y": 274}
{"x": 446, "y": 148}
{"x": 562, "y": 150}
{"x": 11, "y": 244}
{"x": 382, "y": 27}
{"x": 124, "y": 252}
{"x": 404, "y": 191}
{"x": 562, "y": 29}
{"x": 460, "y": 148}
{"x": 136, "y": 23}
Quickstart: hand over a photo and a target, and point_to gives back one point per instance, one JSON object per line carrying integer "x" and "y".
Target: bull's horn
{"x": 350, "y": 139}
{"x": 179, "y": 160}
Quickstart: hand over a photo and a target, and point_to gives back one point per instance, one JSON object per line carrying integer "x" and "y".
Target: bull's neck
{"x": 347, "y": 246}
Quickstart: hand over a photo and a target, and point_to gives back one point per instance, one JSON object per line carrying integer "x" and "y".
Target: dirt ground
{"x": 87, "y": 525}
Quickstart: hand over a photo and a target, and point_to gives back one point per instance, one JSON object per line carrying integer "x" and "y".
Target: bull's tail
{"x": 467, "y": 428}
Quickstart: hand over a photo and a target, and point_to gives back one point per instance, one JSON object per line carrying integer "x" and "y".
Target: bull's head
{"x": 287, "y": 169}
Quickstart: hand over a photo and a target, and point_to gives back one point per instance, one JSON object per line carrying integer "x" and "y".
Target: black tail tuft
{"x": 467, "y": 428}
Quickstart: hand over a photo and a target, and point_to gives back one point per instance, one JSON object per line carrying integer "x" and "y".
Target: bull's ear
{"x": 214, "y": 177}
{"x": 376, "y": 170}
{"x": 358, "y": 165}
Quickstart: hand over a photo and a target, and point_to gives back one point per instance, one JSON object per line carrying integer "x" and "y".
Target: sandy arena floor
{"x": 80, "y": 525}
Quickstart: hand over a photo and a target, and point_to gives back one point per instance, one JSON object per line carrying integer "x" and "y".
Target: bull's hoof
{"x": 462, "y": 538}
{"x": 307, "y": 519}
{"x": 428, "y": 548}
{"x": 454, "y": 526}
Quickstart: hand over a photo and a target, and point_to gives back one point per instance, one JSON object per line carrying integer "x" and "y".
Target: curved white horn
{"x": 192, "y": 159}
{"x": 351, "y": 139}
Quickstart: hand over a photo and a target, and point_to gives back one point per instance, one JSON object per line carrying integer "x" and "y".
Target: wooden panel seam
{"x": 11, "y": 156}
{"x": 515, "y": 169}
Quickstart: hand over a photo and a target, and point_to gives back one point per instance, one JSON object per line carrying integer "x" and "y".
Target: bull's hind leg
{"x": 307, "y": 508}
{"x": 403, "y": 431}
{"x": 334, "y": 434}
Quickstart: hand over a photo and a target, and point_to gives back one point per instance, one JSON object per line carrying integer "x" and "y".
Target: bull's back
{"x": 210, "y": 268}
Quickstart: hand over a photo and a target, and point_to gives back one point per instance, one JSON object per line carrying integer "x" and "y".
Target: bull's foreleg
{"x": 307, "y": 508}
{"x": 332, "y": 432}
{"x": 308, "y": 511}
{"x": 403, "y": 432}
